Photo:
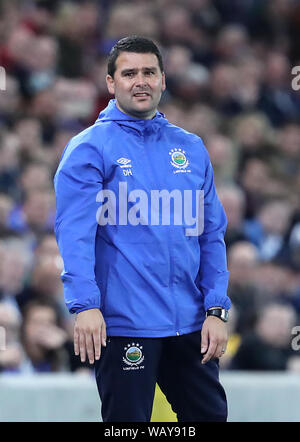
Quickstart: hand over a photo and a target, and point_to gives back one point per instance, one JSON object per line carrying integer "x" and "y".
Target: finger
{"x": 97, "y": 343}
{"x": 103, "y": 335}
{"x": 210, "y": 352}
{"x": 221, "y": 350}
{"x": 204, "y": 340}
{"x": 76, "y": 342}
{"x": 89, "y": 347}
{"x": 82, "y": 347}
{"x": 218, "y": 352}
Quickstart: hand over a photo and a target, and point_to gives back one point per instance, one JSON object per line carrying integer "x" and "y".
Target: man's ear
{"x": 163, "y": 81}
{"x": 110, "y": 84}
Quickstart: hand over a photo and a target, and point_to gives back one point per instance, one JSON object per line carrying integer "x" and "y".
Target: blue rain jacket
{"x": 126, "y": 202}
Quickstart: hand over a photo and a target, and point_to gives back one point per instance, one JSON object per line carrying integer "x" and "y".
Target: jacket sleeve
{"x": 213, "y": 273}
{"x": 77, "y": 181}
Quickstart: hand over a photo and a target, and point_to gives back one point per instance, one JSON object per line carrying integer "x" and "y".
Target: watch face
{"x": 225, "y": 315}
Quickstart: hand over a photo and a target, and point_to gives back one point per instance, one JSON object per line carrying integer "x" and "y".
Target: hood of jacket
{"x": 112, "y": 113}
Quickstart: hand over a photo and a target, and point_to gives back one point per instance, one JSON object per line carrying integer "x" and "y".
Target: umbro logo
{"x": 124, "y": 162}
{"x": 125, "y": 165}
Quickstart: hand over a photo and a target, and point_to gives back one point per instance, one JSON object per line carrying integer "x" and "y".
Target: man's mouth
{"x": 141, "y": 94}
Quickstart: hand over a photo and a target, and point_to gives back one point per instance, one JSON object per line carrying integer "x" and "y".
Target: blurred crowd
{"x": 228, "y": 65}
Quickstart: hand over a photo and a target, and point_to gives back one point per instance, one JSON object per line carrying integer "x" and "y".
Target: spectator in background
{"x": 29, "y": 133}
{"x": 15, "y": 266}
{"x": 77, "y": 28}
{"x": 277, "y": 99}
{"x": 45, "y": 283}
{"x": 255, "y": 179}
{"x": 9, "y": 163}
{"x": 46, "y": 247}
{"x": 43, "y": 338}
{"x": 288, "y": 145}
{"x": 35, "y": 176}
{"x": 223, "y": 157}
{"x": 75, "y": 99}
{"x": 178, "y": 28}
{"x": 253, "y": 135}
{"x": 12, "y": 357}
{"x": 234, "y": 203}
{"x": 267, "y": 231}
{"x": 187, "y": 80}
{"x": 63, "y": 134}
{"x": 224, "y": 99}
{"x": 268, "y": 347}
{"x": 130, "y": 18}
{"x": 43, "y": 106}
{"x": 19, "y": 56}
{"x": 294, "y": 248}
{"x": 243, "y": 263}
{"x": 175, "y": 112}
{"x": 231, "y": 43}
{"x": 205, "y": 16}
{"x": 276, "y": 282}
{"x": 249, "y": 70}
{"x": 40, "y": 16}
{"x": 35, "y": 215}
{"x": 45, "y": 61}
{"x": 202, "y": 120}
{"x": 6, "y": 205}
{"x": 10, "y": 101}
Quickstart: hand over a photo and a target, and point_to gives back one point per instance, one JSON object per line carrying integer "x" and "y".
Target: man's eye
{"x": 128, "y": 74}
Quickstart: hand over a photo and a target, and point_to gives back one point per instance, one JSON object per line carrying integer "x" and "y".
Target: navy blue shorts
{"x": 129, "y": 368}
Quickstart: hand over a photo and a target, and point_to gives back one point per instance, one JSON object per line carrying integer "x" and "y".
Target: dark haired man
{"x": 136, "y": 45}
{"x": 145, "y": 285}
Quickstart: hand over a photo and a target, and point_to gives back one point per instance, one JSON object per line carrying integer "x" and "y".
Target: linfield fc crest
{"x": 133, "y": 357}
{"x": 179, "y": 160}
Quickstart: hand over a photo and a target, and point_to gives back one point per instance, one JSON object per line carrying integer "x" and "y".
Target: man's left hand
{"x": 213, "y": 338}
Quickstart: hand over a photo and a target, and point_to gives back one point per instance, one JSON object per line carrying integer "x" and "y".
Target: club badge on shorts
{"x": 133, "y": 357}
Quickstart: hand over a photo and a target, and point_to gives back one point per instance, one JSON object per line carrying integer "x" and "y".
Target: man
{"x": 139, "y": 275}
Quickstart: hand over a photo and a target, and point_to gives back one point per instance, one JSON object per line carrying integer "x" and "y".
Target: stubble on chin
{"x": 141, "y": 114}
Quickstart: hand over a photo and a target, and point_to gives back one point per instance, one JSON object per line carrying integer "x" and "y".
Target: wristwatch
{"x": 219, "y": 312}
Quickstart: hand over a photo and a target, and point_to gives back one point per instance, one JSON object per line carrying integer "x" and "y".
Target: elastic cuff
{"x": 212, "y": 301}
{"x": 90, "y": 307}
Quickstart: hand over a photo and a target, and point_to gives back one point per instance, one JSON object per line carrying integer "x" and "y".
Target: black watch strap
{"x": 221, "y": 313}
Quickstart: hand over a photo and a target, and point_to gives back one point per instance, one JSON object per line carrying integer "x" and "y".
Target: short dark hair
{"x": 133, "y": 43}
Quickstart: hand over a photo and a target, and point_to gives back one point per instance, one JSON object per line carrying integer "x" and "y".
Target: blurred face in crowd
{"x": 242, "y": 262}
{"x": 35, "y": 177}
{"x": 41, "y": 332}
{"x": 47, "y": 248}
{"x": 234, "y": 204}
{"x": 137, "y": 84}
{"x": 275, "y": 325}
{"x": 46, "y": 276}
{"x": 6, "y": 205}
{"x": 29, "y": 132}
{"x": 36, "y": 208}
{"x": 38, "y": 319}
{"x": 275, "y": 217}
{"x": 12, "y": 271}
{"x": 9, "y": 319}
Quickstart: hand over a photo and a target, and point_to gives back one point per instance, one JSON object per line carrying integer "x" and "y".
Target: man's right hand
{"x": 89, "y": 334}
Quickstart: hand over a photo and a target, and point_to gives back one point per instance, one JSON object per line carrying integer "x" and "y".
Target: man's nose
{"x": 141, "y": 79}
